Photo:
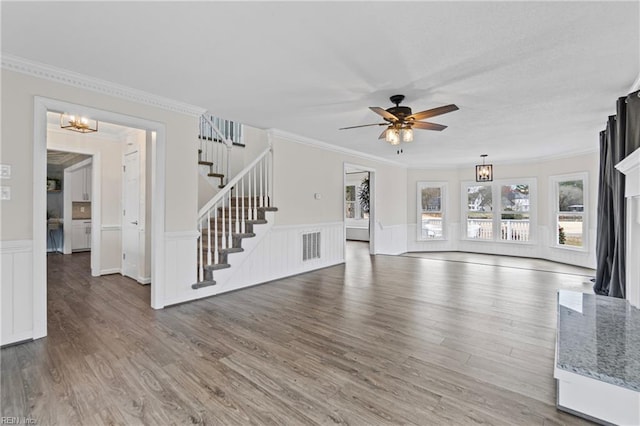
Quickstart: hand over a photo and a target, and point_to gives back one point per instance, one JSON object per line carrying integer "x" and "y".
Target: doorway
{"x": 155, "y": 134}
{"x": 359, "y": 206}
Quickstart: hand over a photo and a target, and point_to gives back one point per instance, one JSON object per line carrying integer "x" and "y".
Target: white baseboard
{"x": 110, "y": 271}
{"x": 144, "y": 280}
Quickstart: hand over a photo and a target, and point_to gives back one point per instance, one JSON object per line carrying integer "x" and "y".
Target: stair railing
{"x": 217, "y": 136}
{"x": 241, "y": 198}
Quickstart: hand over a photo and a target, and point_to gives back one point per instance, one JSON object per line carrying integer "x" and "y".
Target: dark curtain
{"x": 620, "y": 138}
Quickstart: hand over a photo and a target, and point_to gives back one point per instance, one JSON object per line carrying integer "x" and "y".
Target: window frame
{"x": 444, "y": 197}
{"x": 356, "y": 204}
{"x": 554, "y": 210}
{"x": 497, "y": 209}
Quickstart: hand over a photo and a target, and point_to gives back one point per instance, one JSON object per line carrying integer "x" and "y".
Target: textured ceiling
{"x": 532, "y": 79}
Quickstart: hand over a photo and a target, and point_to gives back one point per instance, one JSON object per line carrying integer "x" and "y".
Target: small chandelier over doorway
{"x": 484, "y": 172}
{"x": 78, "y": 123}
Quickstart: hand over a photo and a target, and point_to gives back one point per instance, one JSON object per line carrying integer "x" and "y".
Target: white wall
{"x": 302, "y": 169}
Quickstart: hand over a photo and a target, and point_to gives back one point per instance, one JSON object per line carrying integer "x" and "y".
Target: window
{"x": 568, "y": 210}
{"x": 431, "y": 210}
{"x": 479, "y": 212}
{"x": 350, "y": 202}
{"x": 509, "y": 220}
{"x": 514, "y": 212}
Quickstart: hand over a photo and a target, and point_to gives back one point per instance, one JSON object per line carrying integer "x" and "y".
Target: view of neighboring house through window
{"x": 431, "y": 219}
{"x": 511, "y": 219}
{"x": 514, "y": 212}
{"x": 569, "y": 210}
{"x": 479, "y": 212}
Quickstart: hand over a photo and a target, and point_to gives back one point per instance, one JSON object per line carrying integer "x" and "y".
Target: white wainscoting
{"x": 390, "y": 239}
{"x": 111, "y": 250}
{"x": 16, "y": 311}
{"x": 450, "y": 243}
{"x": 539, "y": 248}
{"x": 180, "y": 267}
{"x": 276, "y": 252}
{"x": 279, "y": 255}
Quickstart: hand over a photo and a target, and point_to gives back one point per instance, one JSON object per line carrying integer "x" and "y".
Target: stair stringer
{"x": 224, "y": 277}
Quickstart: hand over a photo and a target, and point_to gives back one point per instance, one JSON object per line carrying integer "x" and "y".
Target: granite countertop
{"x": 599, "y": 337}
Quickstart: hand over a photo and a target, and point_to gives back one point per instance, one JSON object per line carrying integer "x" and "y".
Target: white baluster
{"x": 224, "y": 237}
{"x": 215, "y": 233}
{"x": 243, "y": 227}
{"x": 209, "y": 238}
{"x": 261, "y": 186}
{"x": 237, "y": 210}
{"x": 201, "y": 268}
{"x": 255, "y": 194}
{"x": 230, "y": 242}
{"x": 250, "y": 211}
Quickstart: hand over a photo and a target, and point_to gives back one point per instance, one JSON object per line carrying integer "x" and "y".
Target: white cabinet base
{"x": 597, "y": 400}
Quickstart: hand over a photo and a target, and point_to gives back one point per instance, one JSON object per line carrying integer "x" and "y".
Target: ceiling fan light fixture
{"x": 406, "y": 134}
{"x": 392, "y": 136}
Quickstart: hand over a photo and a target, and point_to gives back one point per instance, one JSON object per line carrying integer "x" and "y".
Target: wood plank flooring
{"x": 379, "y": 340}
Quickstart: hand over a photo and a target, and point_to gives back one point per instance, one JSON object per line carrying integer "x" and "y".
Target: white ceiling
{"x": 532, "y": 79}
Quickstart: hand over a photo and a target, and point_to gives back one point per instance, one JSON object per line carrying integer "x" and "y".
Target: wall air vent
{"x": 311, "y": 246}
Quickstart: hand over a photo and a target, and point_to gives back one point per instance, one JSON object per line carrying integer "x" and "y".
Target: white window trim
{"x": 553, "y": 203}
{"x": 444, "y": 200}
{"x": 497, "y": 211}
{"x": 354, "y": 222}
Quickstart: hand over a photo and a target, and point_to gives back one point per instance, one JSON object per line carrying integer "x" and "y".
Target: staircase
{"x": 236, "y": 211}
{"x": 216, "y": 137}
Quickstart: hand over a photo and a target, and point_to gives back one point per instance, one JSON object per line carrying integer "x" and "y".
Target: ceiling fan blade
{"x": 383, "y": 134}
{"x": 383, "y": 112}
{"x": 364, "y": 125}
{"x": 428, "y": 126}
{"x": 432, "y": 112}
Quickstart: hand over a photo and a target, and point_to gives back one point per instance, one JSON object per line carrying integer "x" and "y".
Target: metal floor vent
{"x": 311, "y": 246}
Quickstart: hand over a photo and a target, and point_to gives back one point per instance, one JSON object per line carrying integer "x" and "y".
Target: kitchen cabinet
{"x": 81, "y": 184}
{"x": 81, "y": 235}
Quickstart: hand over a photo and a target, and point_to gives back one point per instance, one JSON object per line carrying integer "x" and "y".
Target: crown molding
{"x": 329, "y": 147}
{"x": 70, "y": 78}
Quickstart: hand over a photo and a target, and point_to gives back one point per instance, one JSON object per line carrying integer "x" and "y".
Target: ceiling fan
{"x": 400, "y": 121}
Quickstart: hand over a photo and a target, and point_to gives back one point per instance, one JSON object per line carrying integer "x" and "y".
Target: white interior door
{"x": 131, "y": 213}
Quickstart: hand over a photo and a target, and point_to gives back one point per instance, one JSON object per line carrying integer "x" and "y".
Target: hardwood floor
{"x": 379, "y": 340}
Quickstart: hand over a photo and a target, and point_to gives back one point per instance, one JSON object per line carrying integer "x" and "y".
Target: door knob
{"x": 134, "y": 223}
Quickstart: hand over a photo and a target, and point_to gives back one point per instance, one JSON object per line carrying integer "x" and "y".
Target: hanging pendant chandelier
{"x": 484, "y": 172}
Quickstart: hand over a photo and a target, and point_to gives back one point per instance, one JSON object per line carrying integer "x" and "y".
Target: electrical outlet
{"x": 5, "y": 193}
{"x": 5, "y": 171}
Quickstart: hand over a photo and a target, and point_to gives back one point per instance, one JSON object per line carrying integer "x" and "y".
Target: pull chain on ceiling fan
{"x": 400, "y": 120}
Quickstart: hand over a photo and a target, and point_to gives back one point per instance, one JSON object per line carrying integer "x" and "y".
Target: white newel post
{"x": 630, "y": 167}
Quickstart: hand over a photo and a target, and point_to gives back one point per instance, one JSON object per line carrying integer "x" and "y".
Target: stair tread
{"x": 217, "y": 266}
{"x": 202, "y": 284}
{"x": 231, "y": 250}
{"x": 205, "y": 163}
{"x": 218, "y": 175}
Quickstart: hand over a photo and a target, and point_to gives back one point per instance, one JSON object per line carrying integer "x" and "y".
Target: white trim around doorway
{"x": 41, "y": 106}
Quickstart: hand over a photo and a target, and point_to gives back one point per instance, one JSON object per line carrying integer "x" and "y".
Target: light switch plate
{"x": 5, "y": 171}
{"x": 5, "y": 193}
